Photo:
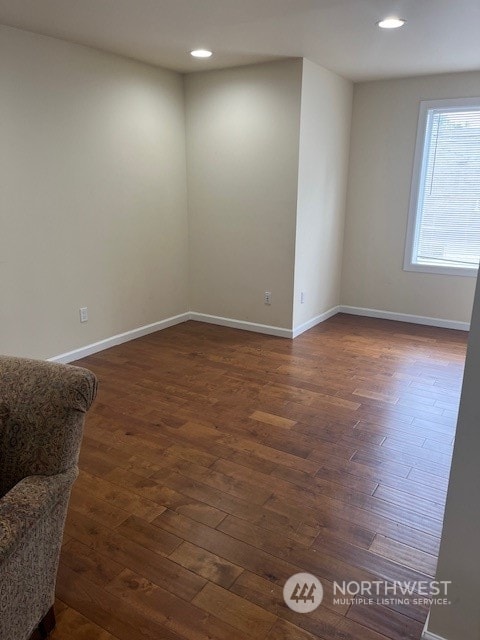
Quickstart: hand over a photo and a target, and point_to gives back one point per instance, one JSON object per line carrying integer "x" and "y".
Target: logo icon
{"x": 303, "y": 592}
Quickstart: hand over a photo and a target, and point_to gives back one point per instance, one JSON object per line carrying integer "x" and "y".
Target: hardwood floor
{"x": 217, "y": 463}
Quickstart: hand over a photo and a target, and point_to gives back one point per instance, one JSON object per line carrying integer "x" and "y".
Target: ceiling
{"x": 440, "y": 35}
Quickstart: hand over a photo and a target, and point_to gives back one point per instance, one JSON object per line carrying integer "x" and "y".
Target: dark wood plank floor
{"x": 217, "y": 463}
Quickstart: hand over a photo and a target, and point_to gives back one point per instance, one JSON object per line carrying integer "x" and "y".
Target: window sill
{"x": 441, "y": 270}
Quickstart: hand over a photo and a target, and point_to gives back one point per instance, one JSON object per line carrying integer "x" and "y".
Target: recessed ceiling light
{"x": 201, "y": 53}
{"x": 391, "y": 23}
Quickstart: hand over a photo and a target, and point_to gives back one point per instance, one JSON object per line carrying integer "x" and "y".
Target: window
{"x": 444, "y": 221}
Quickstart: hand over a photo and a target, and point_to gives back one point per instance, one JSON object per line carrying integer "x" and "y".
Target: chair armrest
{"x": 42, "y": 414}
{"x": 28, "y": 502}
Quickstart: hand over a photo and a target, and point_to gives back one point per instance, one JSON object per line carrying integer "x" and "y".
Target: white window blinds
{"x": 446, "y": 229}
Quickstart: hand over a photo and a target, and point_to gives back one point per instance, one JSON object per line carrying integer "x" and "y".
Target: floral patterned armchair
{"x": 42, "y": 412}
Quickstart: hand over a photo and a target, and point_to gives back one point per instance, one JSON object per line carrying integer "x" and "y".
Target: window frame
{"x": 418, "y": 179}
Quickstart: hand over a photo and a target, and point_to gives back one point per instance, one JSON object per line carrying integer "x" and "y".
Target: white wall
{"x": 242, "y": 150}
{"x": 93, "y": 195}
{"x": 384, "y": 126}
{"x": 322, "y": 177}
{"x": 459, "y": 557}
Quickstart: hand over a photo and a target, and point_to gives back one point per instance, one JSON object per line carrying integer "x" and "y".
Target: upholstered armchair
{"x": 42, "y": 412}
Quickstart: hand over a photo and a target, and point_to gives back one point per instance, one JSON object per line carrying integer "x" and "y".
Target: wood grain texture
{"x": 217, "y": 463}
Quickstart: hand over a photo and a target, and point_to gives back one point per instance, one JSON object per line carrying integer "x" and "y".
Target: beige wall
{"x": 93, "y": 195}
{"x": 459, "y": 558}
{"x": 242, "y": 150}
{"x": 322, "y": 177}
{"x": 384, "y": 125}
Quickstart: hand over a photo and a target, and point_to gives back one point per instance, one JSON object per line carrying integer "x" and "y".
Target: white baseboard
{"x": 76, "y": 354}
{"x": 281, "y": 332}
{"x": 242, "y": 324}
{"x": 428, "y": 635}
{"x": 314, "y": 321}
{"x": 405, "y": 317}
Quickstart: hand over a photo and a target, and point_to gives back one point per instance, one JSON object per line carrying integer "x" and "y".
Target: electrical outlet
{"x": 267, "y": 298}
{"x": 84, "y": 314}
{"x": 302, "y": 297}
